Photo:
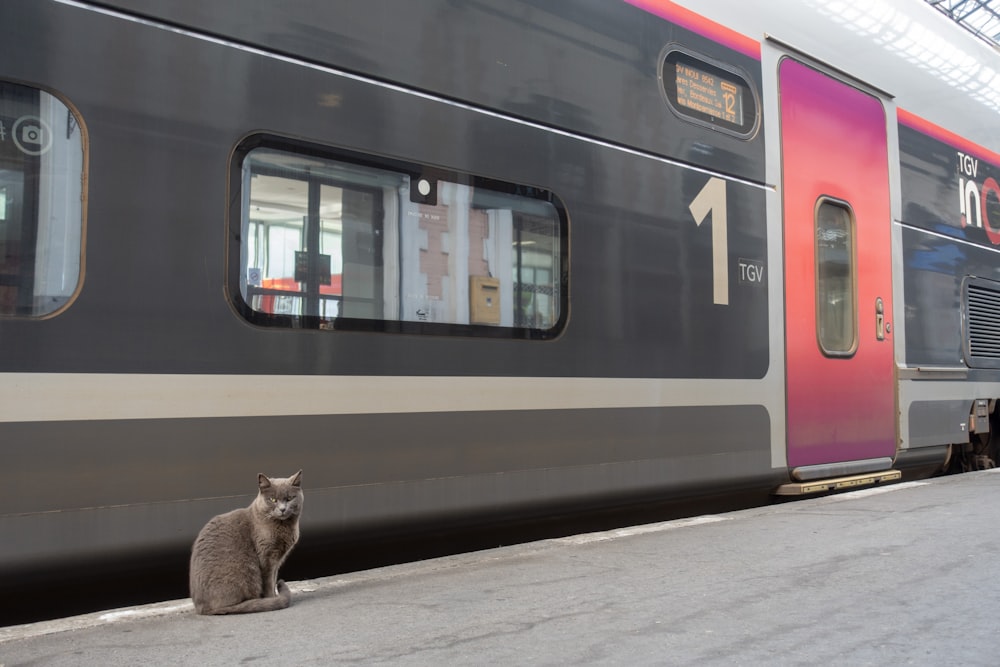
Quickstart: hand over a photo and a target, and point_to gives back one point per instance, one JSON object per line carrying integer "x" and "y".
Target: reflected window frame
{"x": 421, "y": 182}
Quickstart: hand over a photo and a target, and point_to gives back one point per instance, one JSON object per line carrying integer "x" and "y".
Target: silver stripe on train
{"x": 29, "y": 397}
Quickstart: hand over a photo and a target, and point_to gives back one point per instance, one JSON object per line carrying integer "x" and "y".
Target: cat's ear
{"x": 263, "y": 482}
{"x": 296, "y": 479}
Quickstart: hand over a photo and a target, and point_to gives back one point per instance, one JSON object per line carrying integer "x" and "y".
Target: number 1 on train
{"x": 712, "y": 199}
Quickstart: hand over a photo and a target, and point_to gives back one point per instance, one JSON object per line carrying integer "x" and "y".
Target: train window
{"x": 42, "y": 157}
{"x": 708, "y": 93}
{"x": 334, "y": 240}
{"x": 836, "y": 311}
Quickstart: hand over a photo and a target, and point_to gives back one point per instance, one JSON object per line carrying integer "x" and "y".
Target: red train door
{"x": 838, "y": 291}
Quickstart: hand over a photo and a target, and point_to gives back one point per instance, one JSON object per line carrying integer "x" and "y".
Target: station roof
{"x": 981, "y": 17}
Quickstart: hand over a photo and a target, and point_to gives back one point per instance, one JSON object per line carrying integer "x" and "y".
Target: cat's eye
{"x": 273, "y": 499}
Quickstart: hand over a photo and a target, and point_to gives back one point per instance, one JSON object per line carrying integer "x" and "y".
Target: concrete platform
{"x": 899, "y": 574}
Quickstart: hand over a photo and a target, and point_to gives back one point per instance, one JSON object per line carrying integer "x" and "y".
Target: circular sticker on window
{"x": 31, "y": 135}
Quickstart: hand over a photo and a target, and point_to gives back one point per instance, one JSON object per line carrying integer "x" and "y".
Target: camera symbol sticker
{"x": 31, "y": 135}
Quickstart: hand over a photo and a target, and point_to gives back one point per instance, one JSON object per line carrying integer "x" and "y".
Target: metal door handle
{"x": 879, "y": 319}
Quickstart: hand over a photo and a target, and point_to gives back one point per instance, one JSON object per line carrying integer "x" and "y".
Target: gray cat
{"x": 236, "y": 556}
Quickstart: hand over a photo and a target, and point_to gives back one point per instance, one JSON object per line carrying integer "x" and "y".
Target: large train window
{"x": 708, "y": 93}
{"x": 836, "y": 311}
{"x": 42, "y": 158}
{"x": 334, "y": 240}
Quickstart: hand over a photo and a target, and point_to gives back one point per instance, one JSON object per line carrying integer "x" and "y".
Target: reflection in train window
{"x": 346, "y": 243}
{"x": 836, "y": 313}
{"x": 42, "y": 157}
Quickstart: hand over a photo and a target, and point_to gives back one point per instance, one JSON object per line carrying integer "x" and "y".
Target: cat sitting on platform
{"x": 236, "y": 556}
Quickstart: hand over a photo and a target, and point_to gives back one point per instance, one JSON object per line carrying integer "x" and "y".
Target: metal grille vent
{"x": 982, "y": 308}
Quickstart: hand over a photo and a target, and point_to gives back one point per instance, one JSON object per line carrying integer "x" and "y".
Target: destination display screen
{"x": 709, "y": 94}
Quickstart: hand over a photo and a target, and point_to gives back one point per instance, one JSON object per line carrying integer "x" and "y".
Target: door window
{"x": 836, "y": 312}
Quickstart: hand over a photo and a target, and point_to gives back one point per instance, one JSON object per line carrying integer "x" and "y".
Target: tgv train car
{"x": 459, "y": 259}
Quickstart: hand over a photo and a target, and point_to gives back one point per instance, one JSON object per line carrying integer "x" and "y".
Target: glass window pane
{"x": 41, "y": 202}
{"x": 836, "y": 314}
{"x": 336, "y": 243}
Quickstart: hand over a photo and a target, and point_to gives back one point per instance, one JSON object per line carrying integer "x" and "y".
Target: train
{"x": 484, "y": 258}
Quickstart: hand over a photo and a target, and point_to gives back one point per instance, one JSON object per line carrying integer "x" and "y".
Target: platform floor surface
{"x": 899, "y": 575}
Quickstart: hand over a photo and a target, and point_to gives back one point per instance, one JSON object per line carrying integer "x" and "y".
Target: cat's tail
{"x": 283, "y": 599}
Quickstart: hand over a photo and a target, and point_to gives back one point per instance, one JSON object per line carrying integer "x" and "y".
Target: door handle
{"x": 879, "y": 319}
